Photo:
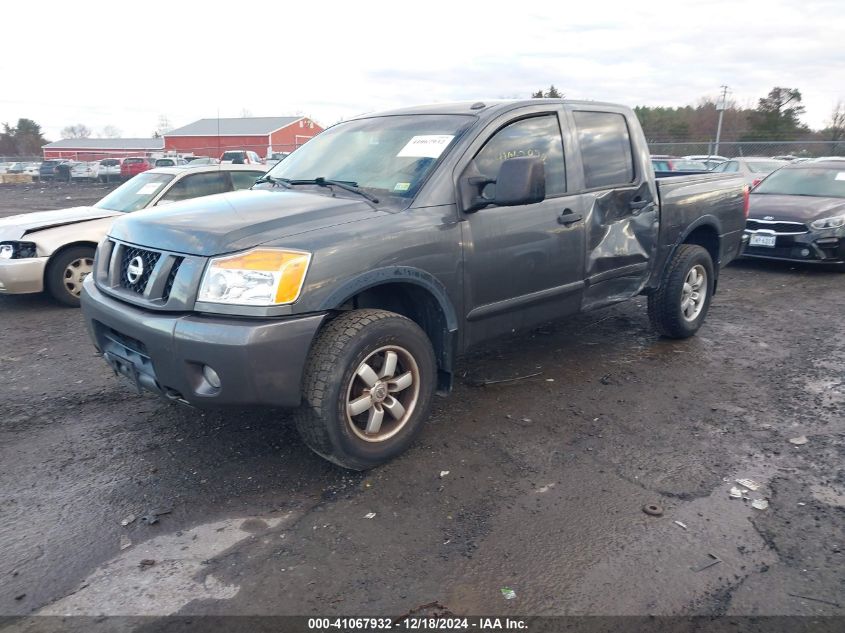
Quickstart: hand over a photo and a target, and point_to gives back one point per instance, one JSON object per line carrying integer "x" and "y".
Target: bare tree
{"x": 164, "y": 126}
{"x": 110, "y": 131}
{"x": 76, "y": 131}
{"x": 836, "y": 130}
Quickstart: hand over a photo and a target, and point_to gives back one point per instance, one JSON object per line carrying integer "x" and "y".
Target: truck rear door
{"x": 620, "y": 203}
{"x": 523, "y": 264}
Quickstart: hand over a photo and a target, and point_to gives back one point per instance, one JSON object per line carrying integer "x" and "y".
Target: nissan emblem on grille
{"x": 135, "y": 269}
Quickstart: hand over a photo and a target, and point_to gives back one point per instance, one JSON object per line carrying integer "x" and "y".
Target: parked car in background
{"x": 133, "y": 166}
{"x": 63, "y": 170}
{"x": 275, "y": 158}
{"x": 709, "y": 161}
{"x": 350, "y": 279}
{"x": 798, "y": 214}
{"x": 4, "y": 167}
{"x": 85, "y": 171}
{"x": 169, "y": 161}
{"x": 109, "y": 169}
{"x": 47, "y": 169}
{"x": 196, "y": 161}
{"x": 16, "y": 168}
{"x": 32, "y": 169}
{"x": 241, "y": 157}
{"x": 662, "y": 163}
{"x": 752, "y": 168}
{"x": 54, "y": 250}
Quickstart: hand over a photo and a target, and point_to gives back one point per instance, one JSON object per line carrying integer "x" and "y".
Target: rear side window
{"x": 537, "y": 136}
{"x": 245, "y": 179}
{"x": 605, "y": 148}
{"x": 198, "y": 185}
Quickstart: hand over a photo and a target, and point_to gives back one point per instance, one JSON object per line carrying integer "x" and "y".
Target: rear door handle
{"x": 568, "y": 217}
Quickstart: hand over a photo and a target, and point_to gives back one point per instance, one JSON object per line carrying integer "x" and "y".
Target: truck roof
{"x": 476, "y": 108}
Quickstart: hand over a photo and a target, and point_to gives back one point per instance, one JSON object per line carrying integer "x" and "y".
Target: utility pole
{"x": 720, "y": 106}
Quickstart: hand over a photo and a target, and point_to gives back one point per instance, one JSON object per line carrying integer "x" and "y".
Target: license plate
{"x": 762, "y": 240}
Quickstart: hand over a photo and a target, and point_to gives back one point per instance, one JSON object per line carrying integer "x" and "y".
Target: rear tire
{"x": 367, "y": 388}
{"x": 679, "y": 306}
{"x": 66, "y": 272}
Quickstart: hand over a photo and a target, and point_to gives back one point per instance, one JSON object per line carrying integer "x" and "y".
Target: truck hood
{"x": 229, "y": 222}
{"x": 19, "y": 226}
{"x": 794, "y": 208}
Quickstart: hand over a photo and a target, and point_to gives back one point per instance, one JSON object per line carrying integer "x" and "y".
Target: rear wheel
{"x": 679, "y": 306}
{"x": 367, "y": 388}
{"x": 66, "y": 272}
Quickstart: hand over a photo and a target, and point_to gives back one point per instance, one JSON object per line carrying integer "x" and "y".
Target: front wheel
{"x": 367, "y": 388}
{"x": 678, "y": 307}
{"x": 66, "y": 272}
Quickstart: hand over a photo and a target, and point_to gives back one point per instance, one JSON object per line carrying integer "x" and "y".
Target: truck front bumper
{"x": 251, "y": 361}
{"x": 21, "y": 276}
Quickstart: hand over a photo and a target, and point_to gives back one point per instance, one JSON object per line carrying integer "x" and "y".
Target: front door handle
{"x": 636, "y": 205}
{"x": 568, "y": 217}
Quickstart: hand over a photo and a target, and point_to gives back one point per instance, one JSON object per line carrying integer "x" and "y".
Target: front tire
{"x": 679, "y": 306}
{"x": 66, "y": 272}
{"x": 367, "y": 388}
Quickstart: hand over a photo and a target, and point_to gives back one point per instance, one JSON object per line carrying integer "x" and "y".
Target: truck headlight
{"x": 829, "y": 223}
{"x": 17, "y": 250}
{"x": 259, "y": 277}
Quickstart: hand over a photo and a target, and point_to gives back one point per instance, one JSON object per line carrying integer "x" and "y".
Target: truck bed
{"x": 686, "y": 199}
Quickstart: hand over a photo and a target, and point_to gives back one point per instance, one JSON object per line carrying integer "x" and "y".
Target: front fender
{"x": 393, "y": 274}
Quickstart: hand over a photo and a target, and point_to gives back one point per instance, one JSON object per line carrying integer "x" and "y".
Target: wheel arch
{"x": 705, "y": 233}
{"x": 414, "y": 294}
{"x": 62, "y": 249}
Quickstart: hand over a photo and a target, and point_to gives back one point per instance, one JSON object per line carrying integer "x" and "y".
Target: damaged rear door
{"x": 620, "y": 201}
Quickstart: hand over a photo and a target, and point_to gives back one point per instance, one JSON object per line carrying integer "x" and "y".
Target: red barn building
{"x": 262, "y": 135}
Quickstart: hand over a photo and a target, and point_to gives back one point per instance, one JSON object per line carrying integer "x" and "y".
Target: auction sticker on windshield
{"x": 426, "y": 146}
{"x": 840, "y": 175}
{"x": 147, "y": 189}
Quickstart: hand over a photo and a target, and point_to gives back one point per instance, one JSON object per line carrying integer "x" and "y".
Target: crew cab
{"x": 346, "y": 283}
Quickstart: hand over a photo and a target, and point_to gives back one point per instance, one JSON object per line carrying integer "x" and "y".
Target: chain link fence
{"x": 732, "y": 149}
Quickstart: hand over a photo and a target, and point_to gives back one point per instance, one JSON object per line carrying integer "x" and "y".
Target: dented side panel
{"x": 621, "y": 222}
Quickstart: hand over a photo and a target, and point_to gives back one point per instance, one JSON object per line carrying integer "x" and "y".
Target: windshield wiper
{"x": 274, "y": 181}
{"x": 346, "y": 185}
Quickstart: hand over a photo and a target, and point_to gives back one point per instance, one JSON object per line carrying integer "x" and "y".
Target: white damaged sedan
{"x": 54, "y": 250}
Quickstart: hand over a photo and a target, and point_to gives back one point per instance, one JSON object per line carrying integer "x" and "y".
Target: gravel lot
{"x": 536, "y": 485}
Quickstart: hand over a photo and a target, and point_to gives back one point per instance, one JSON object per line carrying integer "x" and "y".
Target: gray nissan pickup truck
{"x": 348, "y": 280}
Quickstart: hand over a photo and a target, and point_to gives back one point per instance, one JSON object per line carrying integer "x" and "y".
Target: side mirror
{"x": 520, "y": 181}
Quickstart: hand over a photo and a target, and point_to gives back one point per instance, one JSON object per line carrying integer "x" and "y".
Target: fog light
{"x": 805, "y": 252}
{"x": 211, "y": 376}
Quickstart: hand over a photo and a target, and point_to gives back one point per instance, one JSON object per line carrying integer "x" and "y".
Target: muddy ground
{"x": 535, "y": 485}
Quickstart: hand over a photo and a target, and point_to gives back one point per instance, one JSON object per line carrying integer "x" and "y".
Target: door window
{"x": 198, "y": 185}
{"x": 605, "y": 149}
{"x": 537, "y": 136}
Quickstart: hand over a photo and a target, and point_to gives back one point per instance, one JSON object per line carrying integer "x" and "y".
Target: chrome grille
{"x": 148, "y": 261}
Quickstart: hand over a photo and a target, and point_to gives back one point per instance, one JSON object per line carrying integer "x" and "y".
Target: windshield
{"x": 824, "y": 183}
{"x": 764, "y": 166}
{"x": 391, "y": 155}
{"x": 136, "y": 193}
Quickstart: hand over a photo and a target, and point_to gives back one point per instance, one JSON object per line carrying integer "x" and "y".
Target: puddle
{"x": 179, "y": 575}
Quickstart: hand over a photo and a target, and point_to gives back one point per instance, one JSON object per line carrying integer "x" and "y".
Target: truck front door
{"x": 523, "y": 265}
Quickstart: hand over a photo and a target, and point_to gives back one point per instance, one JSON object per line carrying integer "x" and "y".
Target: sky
{"x": 126, "y": 64}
